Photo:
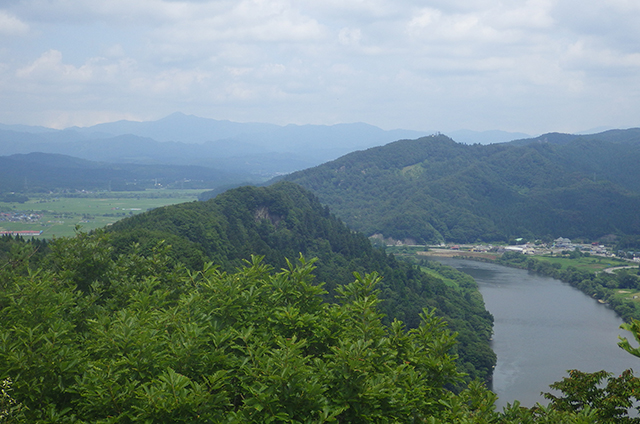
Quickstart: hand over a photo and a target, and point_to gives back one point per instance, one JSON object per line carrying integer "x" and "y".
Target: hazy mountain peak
{"x": 26, "y": 128}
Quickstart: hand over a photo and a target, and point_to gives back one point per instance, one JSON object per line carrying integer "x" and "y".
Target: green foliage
{"x": 17, "y": 256}
{"x": 158, "y": 343}
{"x": 433, "y": 189}
{"x": 13, "y": 197}
{"x": 284, "y": 221}
{"x": 586, "y": 392}
{"x": 634, "y": 328}
{"x": 10, "y": 410}
{"x": 539, "y": 414}
{"x": 148, "y": 340}
{"x": 628, "y": 242}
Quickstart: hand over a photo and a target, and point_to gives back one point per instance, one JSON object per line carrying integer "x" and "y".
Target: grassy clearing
{"x": 448, "y": 281}
{"x": 60, "y": 215}
{"x": 589, "y": 263}
{"x": 415, "y": 252}
{"x": 405, "y": 250}
{"x": 629, "y": 293}
{"x": 633, "y": 295}
{"x": 598, "y": 264}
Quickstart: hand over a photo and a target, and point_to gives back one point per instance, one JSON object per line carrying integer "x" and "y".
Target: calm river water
{"x": 543, "y": 327}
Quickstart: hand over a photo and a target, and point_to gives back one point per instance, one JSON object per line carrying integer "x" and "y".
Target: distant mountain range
{"x": 391, "y": 183}
{"x": 260, "y": 149}
{"x": 263, "y": 150}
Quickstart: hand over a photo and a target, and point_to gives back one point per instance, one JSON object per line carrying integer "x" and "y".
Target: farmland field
{"x": 589, "y": 263}
{"x": 58, "y": 216}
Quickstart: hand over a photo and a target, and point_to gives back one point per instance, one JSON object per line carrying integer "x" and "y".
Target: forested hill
{"x": 284, "y": 221}
{"x": 628, "y": 136}
{"x": 433, "y": 189}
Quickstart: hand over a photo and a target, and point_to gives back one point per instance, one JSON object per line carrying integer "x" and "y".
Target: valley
{"x": 319, "y": 266}
{"x": 339, "y": 212}
{"x": 59, "y": 215}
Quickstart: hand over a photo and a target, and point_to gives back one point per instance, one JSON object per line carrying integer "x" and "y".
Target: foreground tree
{"x": 97, "y": 337}
{"x": 135, "y": 338}
{"x": 605, "y": 397}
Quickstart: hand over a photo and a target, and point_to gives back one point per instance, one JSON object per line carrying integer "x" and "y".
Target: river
{"x": 543, "y": 327}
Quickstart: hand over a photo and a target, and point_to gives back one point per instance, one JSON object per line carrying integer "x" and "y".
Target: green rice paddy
{"x": 59, "y": 216}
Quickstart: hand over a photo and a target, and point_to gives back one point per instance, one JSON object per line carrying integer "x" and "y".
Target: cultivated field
{"x": 591, "y": 263}
{"x": 58, "y": 216}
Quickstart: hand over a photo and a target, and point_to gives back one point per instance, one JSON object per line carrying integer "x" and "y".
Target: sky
{"x": 532, "y": 66}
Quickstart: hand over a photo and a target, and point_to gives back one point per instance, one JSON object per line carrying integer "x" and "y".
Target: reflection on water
{"x": 543, "y": 327}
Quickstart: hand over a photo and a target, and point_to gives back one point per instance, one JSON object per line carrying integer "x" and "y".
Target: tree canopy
{"x": 149, "y": 341}
{"x": 283, "y": 221}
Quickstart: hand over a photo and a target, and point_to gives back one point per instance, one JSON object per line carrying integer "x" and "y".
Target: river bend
{"x": 543, "y": 327}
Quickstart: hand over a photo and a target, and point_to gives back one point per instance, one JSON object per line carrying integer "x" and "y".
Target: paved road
{"x": 615, "y": 268}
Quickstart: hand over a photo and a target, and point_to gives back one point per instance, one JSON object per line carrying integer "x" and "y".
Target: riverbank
{"x": 620, "y": 291}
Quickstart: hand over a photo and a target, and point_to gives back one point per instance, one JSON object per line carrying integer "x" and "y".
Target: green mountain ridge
{"x": 630, "y": 135}
{"x": 433, "y": 189}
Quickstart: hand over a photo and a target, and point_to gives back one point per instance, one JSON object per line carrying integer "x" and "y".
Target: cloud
{"x": 115, "y": 12}
{"x": 65, "y": 118}
{"x": 171, "y": 81}
{"x": 10, "y": 25}
{"x": 403, "y": 63}
{"x": 600, "y": 60}
{"x": 49, "y": 69}
{"x": 613, "y": 24}
{"x": 502, "y": 25}
{"x": 115, "y": 50}
{"x": 350, "y": 36}
{"x": 248, "y": 21}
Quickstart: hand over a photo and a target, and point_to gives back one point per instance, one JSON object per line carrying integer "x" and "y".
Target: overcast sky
{"x": 532, "y": 66}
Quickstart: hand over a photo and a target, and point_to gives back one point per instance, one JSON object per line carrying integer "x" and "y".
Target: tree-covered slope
{"x": 433, "y": 189}
{"x": 284, "y": 221}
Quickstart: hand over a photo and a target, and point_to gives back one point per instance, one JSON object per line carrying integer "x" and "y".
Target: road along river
{"x": 543, "y": 327}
